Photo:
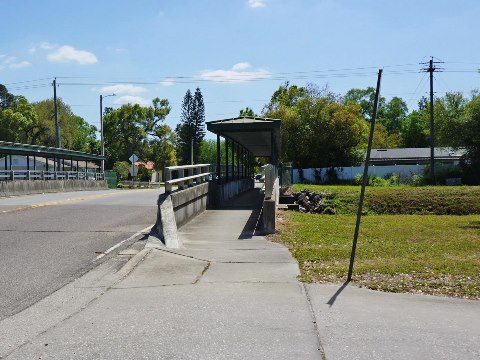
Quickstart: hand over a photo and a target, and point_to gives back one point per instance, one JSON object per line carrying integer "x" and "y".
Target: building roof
{"x": 255, "y": 134}
{"x": 9, "y": 148}
{"x": 414, "y": 154}
{"x": 148, "y": 165}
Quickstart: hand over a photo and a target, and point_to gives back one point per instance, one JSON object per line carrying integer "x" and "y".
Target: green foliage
{"x": 208, "y": 152}
{"x": 122, "y": 168}
{"x": 75, "y": 132}
{"x": 365, "y": 99}
{"x": 191, "y": 130}
{"x": 16, "y": 119}
{"x": 162, "y": 148}
{"x": 317, "y": 130}
{"x": 247, "y": 112}
{"x": 470, "y": 135}
{"x": 140, "y": 130}
{"x": 143, "y": 173}
{"x": 375, "y": 180}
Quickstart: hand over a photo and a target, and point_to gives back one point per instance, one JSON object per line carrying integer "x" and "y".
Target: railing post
{"x": 168, "y": 176}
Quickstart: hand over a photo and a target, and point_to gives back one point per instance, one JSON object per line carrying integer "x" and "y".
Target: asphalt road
{"x": 48, "y": 240}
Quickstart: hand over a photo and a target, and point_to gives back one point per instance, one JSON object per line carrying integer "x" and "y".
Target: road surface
{"x": 48, "y": 240}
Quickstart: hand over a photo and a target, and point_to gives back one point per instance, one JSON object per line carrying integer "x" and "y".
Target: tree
{"x": 191, "y": 130}
{"x": 76, "y": 133}
{"x": 6, "y": 99}
{"x": 393, "y": 115}
{"x": 133, "y": 129}
{"x": 122, "y": 168}
{"x": 317, "y": 131}
{"x": 285, "y": 96}
{"x": 208, "y": 152}
{"x": 449, "y": 111}
{"x": 247, "y": 112}
{"x": 16, "y": 119}
{"x": 365, "y": 98}
{"x": 163, "y": 148}
{"x": 383, "y": 140}
{"x": 470, "y": 138}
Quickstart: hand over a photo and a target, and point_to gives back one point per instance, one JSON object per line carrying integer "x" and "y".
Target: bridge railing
{"x": 185, "y": 176}
{"x": 11, "y": 175}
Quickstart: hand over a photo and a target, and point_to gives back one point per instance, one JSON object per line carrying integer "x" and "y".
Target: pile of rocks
{"x": 315, "y": 203}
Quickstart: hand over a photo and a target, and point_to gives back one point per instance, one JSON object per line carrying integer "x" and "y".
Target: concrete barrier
{"x": 26, "y": 187}
{"x": 221, "y": 193}
{"x": 272, "y": 197}
{"x": 179, "y": 207}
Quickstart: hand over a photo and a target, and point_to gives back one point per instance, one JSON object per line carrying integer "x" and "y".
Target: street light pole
{"x": 102, "y": 141}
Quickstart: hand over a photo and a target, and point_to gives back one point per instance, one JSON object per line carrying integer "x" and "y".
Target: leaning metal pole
{"x": 365, "y": 176}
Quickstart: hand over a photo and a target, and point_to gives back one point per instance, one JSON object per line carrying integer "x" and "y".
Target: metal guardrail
{"x": 185, "y": 176}
{"x": 11, "y": 175}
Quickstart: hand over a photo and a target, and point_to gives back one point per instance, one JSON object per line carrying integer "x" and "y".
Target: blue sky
{"x": 237, "y": 51}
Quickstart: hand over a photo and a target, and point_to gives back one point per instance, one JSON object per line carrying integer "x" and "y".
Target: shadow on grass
{"x": 471, "y": 225}
{"x": 338, "y": 292}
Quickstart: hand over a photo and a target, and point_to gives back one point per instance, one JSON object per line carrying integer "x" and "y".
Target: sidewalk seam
{"x": 314, "y": 321}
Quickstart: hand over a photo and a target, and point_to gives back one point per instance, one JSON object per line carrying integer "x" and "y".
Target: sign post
{"x": 133, "y": 159}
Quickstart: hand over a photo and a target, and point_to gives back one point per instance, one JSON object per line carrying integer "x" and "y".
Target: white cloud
{"x": 123, "y": 89}
{"x": 121, "y": 50}
{"x": 130, "y": 99}
{"x": 167, "y": 82}
{"x": 12, "y": 63}
{"x": 67, "y": 53}
{"x": 47, "y": 46}
{"x": 235, "y": 75}
{"x": 32, "y": 50}
{"x": 257, "y": 3}
{"x": 19, "y": 65}
{"x": 241, "y": 66}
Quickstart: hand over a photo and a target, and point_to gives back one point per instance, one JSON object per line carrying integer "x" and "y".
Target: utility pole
{"x": 431, "y": 69}
{"x": 365, "y": 176}
{"x": 57, "y": 127}
{"x": 102, "y": 141}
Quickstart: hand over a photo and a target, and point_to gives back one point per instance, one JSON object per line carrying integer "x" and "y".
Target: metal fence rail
{"x": 184, "y": 176}
{"x": 11, "y": 175}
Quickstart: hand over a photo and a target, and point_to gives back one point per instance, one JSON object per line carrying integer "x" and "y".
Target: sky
{"x": 238, "y": 52}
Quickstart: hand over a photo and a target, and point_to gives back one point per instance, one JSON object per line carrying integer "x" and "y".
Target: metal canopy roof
{"x": 253, "y": 133}
{"x": 45, "y": 151}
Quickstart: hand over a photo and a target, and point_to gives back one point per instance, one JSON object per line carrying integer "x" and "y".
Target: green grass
{"x": 400, "y": 253}
{"x": 436, "y": 200}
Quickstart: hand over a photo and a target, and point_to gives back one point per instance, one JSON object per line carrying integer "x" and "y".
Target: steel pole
{"x": 365, "y": 177}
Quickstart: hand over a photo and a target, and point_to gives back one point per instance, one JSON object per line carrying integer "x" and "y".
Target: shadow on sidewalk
{"x": 250, "y": 200}
{"x": 338, "y": 292}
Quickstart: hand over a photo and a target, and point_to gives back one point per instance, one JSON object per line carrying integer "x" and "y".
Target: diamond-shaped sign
{"x": 133, "y": 158}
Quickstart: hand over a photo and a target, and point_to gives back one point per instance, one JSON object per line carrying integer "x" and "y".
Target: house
{"x": 415, "y": 156}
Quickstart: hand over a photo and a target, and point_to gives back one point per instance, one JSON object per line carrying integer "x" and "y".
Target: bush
{"x": 122, "y": 168}
{"x": 375, "y": 180}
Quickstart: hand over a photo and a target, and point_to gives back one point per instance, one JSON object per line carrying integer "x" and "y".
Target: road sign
{"x": 133, "y": 158}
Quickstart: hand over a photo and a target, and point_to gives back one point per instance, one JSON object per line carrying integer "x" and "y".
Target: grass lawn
{"x": 432, "y": 254}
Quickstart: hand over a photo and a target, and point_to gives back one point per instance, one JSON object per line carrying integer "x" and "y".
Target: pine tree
{"x": 198, "y": 115}
{"x": 191, "y": 127}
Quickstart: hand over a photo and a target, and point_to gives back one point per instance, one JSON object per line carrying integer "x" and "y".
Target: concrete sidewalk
{"x": 230, "y": 294}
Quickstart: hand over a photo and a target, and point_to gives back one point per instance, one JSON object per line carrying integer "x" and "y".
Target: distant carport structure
{"x": 247, "y": 137}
